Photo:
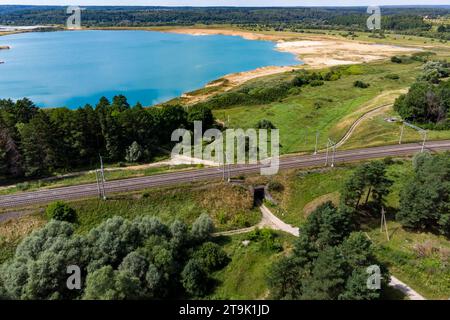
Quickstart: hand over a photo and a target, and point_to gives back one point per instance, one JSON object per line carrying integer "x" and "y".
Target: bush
{"x": 212, "y": 256}
{"x": 61, "y": 211}
{"x": 275, "y": 186}
{"x": 433, "y": 71}
{"x": 396, "y": 59}
{"x": 265, "y": 124}
{"x": 267, "y": 238}
{"x": 133, "y": 152}
{"x": 361, "y": 84}
{"x": 392, "y": 76}
{"x": 195, "y": 278}
{"x": 316, "y": 83}
{"x": 332, "y": 76}
{"x": 202, "y": 228}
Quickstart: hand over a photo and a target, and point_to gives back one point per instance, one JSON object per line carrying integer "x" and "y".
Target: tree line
{"x": 350, "y": 18}
{"x": 35, "y": 142}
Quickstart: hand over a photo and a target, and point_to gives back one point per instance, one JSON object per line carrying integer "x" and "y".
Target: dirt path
{"x": 268, "y": 220}
{"x": 408, "y": 291}
{"x": 358, "y": 122}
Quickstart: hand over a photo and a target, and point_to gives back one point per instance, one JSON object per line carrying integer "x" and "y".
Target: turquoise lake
{"x": 72, "y": 68}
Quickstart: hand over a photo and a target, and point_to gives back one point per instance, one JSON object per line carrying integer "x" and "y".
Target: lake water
{"x": 72, "y": 68}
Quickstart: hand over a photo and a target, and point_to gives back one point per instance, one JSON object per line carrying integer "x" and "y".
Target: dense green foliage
{"x": 425, "y": 198}
{"x": 368, "y": 180}
{"x": 271, "y": 90}
{"x": 119, "y": 259}
{"x": 61, "y": 211}
{"x": 426, "y": 104}
{"x": 328, "y": 262}
{"x": 361, "y": 84}
{"x": 36, "y": 142}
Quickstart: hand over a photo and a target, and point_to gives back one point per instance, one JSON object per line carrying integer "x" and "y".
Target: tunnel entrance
{"x": 258, "y": 195}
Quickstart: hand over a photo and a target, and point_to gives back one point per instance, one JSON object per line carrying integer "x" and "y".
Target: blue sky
{"x": 229, "y": 2}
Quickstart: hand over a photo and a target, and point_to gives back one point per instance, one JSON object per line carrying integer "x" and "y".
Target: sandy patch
{"x": 325, "y": 53}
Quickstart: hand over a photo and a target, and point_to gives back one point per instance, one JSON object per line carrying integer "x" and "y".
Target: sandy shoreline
{"x": 314, "y": 51}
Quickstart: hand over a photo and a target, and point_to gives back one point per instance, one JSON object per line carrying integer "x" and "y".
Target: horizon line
{"x": 231, "y": 6}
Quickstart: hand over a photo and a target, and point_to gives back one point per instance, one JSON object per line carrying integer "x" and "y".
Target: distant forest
{"x": 348, "y": 18}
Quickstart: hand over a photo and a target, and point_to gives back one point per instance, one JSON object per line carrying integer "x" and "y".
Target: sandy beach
{"x": 326, "y": 53}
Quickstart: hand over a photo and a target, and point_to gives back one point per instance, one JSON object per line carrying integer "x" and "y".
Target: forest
{"x": 37, "y": 142}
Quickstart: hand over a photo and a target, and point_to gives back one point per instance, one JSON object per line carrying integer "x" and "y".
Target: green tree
{"x": 201, "y": 113}
{"x": 195, "y": 278}
{"x": 61, "y": 211}
{"x": 327, "y": 225}
{"x": 107, "y": 284}
{"x": 133, "y": 152}
{"x": 369, "y": 179}
{"x": 328, "y": 276}
{"x": 10, "y": 157}
{"x": 38, "y": 145}
{"x": 425, "y": 198}
{"x": 212, "y": 256}
{"x": 284, "y": 279}
{"x": 202, "y": 228}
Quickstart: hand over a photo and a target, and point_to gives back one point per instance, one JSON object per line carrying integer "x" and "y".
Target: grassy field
{"x": 376, "y": 131}
{"x": 329, "y": 109}
{"x": 13, "y": 231}
{"x": 245, "y": 276}
{"x": 231, "y": 207}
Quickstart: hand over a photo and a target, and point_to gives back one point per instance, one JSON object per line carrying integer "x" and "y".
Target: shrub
{"x": 275, "y": 186}
{"x": 267, "y": 238}
{"x": 361, "y": 84}
{"x": 61, "y": 211}
{"x": 195, "y": 278}
{"x": 133, "y": 152}
{"x": 318, "y": 105}
{"x": 392, "y": 76}
{"x": 433, "y": 71}
{"x": 332, "y": 76}
{"x": 212, "y": 256}
{"x": 316, "y": 83}
{"x": 396, "y": 59}
{"x": 203, "y": 227}
{"x": 300, "y": 80}
{"x": 265, "y": 124}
